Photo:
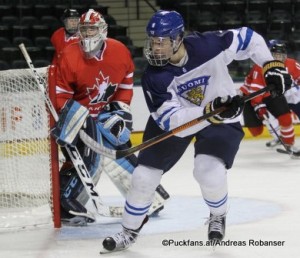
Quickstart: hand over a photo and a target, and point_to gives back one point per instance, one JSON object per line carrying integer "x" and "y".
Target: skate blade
{"x": 293, "y": 155}
{"x": 214, "y": 243}
{"x": 105, "y": 251}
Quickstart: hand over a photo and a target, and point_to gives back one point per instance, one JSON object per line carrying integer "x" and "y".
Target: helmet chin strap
{"x": 179, "y": 44}
{"x": 183, "y": 60}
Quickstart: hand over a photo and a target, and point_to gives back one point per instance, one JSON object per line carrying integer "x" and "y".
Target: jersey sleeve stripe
{"x": 243, "y": 43}
{"x": 164, "y": 118}
{"x": 255, "y": 86}
{"x": 126, "y": 86}
{"x": 130, "y": 75}
{"x": 60, "y": 90}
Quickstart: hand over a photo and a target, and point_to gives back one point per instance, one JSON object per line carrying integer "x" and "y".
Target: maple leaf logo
{"x": 104, "y": 88}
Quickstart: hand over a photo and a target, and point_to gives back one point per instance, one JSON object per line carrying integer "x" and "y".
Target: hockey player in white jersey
{"x": 187, "y": 76}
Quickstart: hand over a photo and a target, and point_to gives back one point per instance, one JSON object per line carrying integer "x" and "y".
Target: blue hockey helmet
{"x": 165, "y": 24}
{"x": 165, "y": 31}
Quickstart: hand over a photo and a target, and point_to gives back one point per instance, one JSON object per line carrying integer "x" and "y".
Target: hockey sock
{"x": 139, "y": 198}
{"x": 210, "y": 173}
{"x": 286, "y": 128}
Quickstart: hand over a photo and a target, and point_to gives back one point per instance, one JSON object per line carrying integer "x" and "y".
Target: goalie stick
{"x": 117, "y": 154}
{"x": 73, "y": 151}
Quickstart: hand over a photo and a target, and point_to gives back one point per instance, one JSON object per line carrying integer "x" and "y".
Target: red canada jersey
{"x": 97, "y": 81}
{"x": 255, "y": 81}
{"x": 60, "y": 40}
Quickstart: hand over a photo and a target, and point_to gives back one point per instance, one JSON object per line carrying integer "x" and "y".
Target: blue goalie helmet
{"x": 165, "y": 32}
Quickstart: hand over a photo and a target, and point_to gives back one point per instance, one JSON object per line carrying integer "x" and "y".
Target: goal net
{"x": 25, "y": 160}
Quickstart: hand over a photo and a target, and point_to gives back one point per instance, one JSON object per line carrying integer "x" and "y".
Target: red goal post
{"x": 29, "y": 162}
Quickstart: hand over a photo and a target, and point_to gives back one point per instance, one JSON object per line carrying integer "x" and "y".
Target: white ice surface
{"x": 263, "y": 206}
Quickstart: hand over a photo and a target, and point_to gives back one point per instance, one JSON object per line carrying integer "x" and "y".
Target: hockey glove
{"x": 261, "y": 111}
{"x": 115, "y": 123}
{"x": 277, "y": 77}
{"x": 234, "y": 106}
{"x": 70, "y": 121}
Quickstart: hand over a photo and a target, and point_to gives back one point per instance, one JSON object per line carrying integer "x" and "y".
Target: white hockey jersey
{"x": 176, "y": 95}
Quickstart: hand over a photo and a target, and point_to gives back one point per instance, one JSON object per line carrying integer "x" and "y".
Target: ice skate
{"x": 291, "y": 150}
{"x": 273, "y": 143}
{"x": 119, "y": 241}
{"x": 216, "y": 228}
{"x": 122, "y": 240}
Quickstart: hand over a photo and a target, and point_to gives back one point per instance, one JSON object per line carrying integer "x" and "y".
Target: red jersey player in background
{"x": 65, "y": 35}
{"x": 97, "y": 73}
{"x": 258, "y": 109}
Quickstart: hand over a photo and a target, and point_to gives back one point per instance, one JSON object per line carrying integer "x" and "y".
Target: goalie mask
{"x": 165, "y": 33}
{"x": 70, "y": 19}
{"x": 278, "y": 50}
{"x": 92, "y": 31}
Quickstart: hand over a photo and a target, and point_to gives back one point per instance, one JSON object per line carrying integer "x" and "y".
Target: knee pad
{"x": 143, "y": 184}
{"x": 209, "y": 171}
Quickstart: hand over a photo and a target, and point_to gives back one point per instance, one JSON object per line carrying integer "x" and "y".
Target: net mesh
{"x": 24, "y": 142}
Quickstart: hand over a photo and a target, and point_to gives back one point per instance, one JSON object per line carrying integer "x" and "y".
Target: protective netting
{"x": 24, "y": 142}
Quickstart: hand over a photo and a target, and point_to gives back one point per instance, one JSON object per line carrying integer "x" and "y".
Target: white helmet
{"x": 92, "y": 31}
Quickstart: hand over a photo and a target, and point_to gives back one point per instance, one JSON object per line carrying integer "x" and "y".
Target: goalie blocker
{"x": 73, "y": 194}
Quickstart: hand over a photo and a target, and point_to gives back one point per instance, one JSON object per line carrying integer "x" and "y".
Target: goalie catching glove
{"x": 115, "y": 122}
{"x": 234, "y": 107}
{"x": 277, "y": 77}
{"x": 71, "y": 119}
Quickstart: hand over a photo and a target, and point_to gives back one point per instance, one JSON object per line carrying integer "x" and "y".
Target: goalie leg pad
{"x": 69, "y": 123}
{"x": 120, "y": 173}
{"x": 160, "y": 196}
{"x": 75, "y": 214}
{"x": 71, "y": 185}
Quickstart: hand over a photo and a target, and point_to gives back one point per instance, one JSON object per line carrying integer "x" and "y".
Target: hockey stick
{"x": 73, "y": 152}
{"x": 117, "y": 154}
{"x": 286, "y": 149}
{"x": 268, "y": 124}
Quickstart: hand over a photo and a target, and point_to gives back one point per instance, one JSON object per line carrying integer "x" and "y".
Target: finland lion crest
{"x": 194, "y": 90}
